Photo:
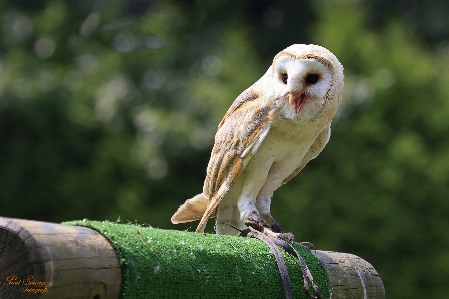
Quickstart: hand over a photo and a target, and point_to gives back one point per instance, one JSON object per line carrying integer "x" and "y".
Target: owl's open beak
{"x": 297, "y": 101}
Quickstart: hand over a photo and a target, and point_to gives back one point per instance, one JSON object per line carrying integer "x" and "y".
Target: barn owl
{"x": 266, "y": 138}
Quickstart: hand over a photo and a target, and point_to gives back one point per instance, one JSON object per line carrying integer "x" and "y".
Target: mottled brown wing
{"x": 246, "y": 96}
{"x": 239, "y": 135}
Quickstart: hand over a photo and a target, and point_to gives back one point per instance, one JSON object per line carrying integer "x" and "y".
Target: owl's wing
{"x": 315, "y": 149}
{"x": 239, "y": 136}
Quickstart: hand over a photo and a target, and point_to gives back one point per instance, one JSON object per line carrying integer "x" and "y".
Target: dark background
{"x": 108, "y": 111}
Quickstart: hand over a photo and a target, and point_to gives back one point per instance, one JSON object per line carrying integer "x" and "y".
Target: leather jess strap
{"x": 273, "y": 242}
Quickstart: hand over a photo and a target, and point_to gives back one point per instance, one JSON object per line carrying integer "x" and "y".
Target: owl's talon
{"x": 272, "y": 224}
{"x": 276, "y": 228}
{"x": 308, "y": 245}
{"x": 287, "y": 237}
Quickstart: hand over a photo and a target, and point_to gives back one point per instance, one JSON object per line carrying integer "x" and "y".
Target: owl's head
{"x": 307, "y": 81}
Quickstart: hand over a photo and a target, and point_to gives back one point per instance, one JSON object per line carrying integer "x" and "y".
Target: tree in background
{"x": 108, "y": 110}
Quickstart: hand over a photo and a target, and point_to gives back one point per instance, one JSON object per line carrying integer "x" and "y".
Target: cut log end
{"x": 51, "y": 260}
{"x": 19, "y": 261}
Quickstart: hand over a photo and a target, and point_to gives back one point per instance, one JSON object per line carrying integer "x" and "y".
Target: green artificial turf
{"x": 160, "y": 263}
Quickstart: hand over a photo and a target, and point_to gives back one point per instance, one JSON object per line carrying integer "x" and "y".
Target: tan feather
{"x": 193, "y": 209}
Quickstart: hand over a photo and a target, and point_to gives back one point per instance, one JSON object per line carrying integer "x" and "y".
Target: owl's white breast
{"x": 283, "y": 149}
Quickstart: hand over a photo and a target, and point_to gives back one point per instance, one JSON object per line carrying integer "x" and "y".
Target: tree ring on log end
{"x": 19, "y": 263}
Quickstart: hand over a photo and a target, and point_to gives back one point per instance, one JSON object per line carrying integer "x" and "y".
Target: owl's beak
{"x": 296, "y": 101}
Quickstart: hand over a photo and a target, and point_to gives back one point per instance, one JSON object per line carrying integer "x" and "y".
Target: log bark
{"x": 49, "y": 260}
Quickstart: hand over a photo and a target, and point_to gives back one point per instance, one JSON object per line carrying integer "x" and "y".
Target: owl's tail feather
{"x": 211, "y": 209}
{"x": 193, "y": 209}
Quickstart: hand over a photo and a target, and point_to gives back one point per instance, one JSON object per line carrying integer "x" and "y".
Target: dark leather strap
{"x": 271, "y": 241}
{"x": 279, "y": 260}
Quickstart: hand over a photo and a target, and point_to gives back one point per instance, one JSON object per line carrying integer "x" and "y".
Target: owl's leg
{"x": 261, "y": 216}
{"x": 253, "y": 182}
{"x": 263, "y": 203}
{"x": 249, "y": 214}
{"x": 272, "y": 224}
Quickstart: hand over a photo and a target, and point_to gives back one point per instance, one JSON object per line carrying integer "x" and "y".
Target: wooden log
{"x": 55, "y": 261}
{"x": 48, "y": 260}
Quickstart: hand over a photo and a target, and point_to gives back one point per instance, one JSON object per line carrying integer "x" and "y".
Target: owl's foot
{"x": 270, "y": 228}
{"x": 255, "y": 222}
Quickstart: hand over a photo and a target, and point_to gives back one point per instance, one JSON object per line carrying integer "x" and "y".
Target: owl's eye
{"x": 284, "y": 78}
{"x": 312, "y": 79}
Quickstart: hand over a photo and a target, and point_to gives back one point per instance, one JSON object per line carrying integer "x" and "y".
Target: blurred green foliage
{"x": 108, "y": 110}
